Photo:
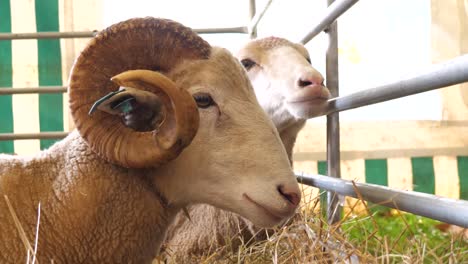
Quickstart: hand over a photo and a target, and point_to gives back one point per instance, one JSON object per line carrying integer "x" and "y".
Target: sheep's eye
{"x": 203, "y": 100}
{"x": 248, "y": 63}
{"x": 308, "y": 60}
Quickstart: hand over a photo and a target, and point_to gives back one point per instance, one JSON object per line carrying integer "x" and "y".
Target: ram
{"x": 173, "y": 122}
{"x": 290, "y": 90}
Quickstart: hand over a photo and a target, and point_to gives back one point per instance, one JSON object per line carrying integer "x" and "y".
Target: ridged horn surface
{"x": 136, "y": 44}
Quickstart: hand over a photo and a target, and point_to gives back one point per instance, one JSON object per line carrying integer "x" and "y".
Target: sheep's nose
{"x": 290, "y": 194}
{"x": 307, "y": 80}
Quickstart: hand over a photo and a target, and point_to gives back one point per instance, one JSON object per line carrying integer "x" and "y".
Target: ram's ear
{"x": 127, "y": 54}
{"x": 151, "y": 120}
{"x": 139, "y": 110}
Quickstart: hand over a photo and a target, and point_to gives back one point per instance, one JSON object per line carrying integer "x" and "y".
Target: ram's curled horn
{"x": 130, "y": 53}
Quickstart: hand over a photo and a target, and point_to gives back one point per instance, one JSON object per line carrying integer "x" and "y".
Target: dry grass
{"x": 31, "y": 252}
{"x": 365, "y": 235}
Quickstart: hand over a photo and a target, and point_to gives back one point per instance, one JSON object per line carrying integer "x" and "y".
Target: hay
{"x": 307, "y": 238}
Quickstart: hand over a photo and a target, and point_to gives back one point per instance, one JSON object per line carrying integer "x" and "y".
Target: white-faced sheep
{"x": 290, "y": 90}
{"x": 110, "y": 189}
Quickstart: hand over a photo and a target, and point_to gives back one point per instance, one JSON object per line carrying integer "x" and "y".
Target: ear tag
{"x": 102, "y": 100}
{"x": 125, "y": 106}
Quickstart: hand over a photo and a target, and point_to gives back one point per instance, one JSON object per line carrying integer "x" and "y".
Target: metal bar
{"x": 256, "y": 19}
{"x": 333, "y": 123}
{"x": 333, "y": 12}
{"x": 42, "y": 135}
{"x": 90, "y": 34}
{"x": 252, "y": 11}
{"x": 243, "y": 30}
{"x": 48, "y": 35}
{"x": 252, "y": 8}
{"x": 436, "y": 207}
{"x": 451, "y": 72}
{"x": 333, "y": 166}
{"x": 35, "y": 90}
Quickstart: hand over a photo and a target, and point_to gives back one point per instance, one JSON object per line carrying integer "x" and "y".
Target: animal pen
{"x": 451, "y": 72}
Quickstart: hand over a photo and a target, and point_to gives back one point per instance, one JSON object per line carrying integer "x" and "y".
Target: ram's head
{"x": 285, "y": 82}
{"x": 150, "y": 93}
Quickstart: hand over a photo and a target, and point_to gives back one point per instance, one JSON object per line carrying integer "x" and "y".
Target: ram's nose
{"x": 291, "y": 194}
{"x": 310, "y": 79}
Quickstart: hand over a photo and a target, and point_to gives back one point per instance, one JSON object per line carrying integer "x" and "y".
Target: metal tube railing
{"x": 90, "y": 34}
{"x": 333, "y": 12}
{"x": 36, "y": 90}
{"x": 252, "y": 27}
{"x": 25, "y": 136}
{"x": 243, "y": 30}
{"x": 436, "y": 207}
{"x": 252, "y": 12}
{"x": 48, "y": 35}
{"x": 333, "y": 123}
{"x": 451, "y": 72}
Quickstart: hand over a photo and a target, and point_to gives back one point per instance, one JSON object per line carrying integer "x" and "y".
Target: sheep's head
{"x": 199, "y": 101}
{"x": 285, "y": 82}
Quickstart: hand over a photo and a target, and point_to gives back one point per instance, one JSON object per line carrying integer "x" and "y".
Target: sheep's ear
{"x": 140, "y": 110}
{"x": 128, "y": 53}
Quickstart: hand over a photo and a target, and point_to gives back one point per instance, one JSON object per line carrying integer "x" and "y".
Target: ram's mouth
{"x": 312, "y": 100}
{"x": 312, "y": 94}
{"x": 273, "y": 214}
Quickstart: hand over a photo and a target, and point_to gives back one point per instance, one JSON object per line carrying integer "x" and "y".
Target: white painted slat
{"x": 447, "y": 183}
{"x": 354, "y": 170}
{"x": 25, "y": 73}
{"x": 400, "y": 174}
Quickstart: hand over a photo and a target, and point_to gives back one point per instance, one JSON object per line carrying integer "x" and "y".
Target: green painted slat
{"x": 423, "y": 174}
{"x": 376, "y": 171}
{"x": 6, "y": 77}
{"x": 50, "y": 69}
{"x": 463, "y": 176}
{"x": 322, "y": 169}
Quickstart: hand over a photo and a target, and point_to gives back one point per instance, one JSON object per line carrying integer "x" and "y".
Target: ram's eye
{"x": 248, "y": 63}
{"x": 203, "y": 100}
{"x": 308, "y": 60}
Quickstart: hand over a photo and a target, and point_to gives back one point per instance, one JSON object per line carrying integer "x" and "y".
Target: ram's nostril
{"x": 304, "y": 83}
{"x": 310, "y": 78}
{"x": 291, "y": 196}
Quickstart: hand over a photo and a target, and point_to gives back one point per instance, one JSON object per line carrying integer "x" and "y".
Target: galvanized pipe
{"x": 24, "y": 136}
{"x": 451, "y": 72}
{"x": 243, "y": 30}
{"x": 252, "y": 11}
{"x": 333, "y": 123}
{"x": 333, "y": 12}
{"x": 29, "y": 90}
{"x": 48, "y": 35}
{"x": 90, "y": 34}
{"x": 333, "y": 165}
{"x": 252, "y": 8}
{"x": 252, "y": 28}
{"x": 436, "y": 207}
